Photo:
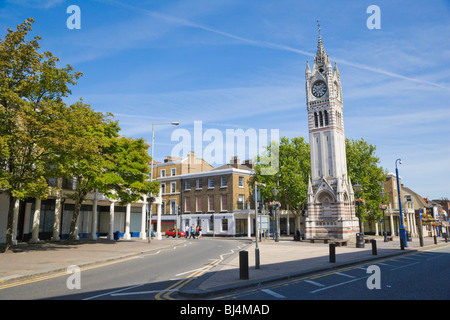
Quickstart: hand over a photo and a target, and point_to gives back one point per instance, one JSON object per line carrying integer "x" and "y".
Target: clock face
{"x": 319, "y": 88}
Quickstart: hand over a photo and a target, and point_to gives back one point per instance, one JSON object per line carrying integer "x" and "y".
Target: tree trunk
{"x": 10, "y": 222}
{"x": 81, "y": 194}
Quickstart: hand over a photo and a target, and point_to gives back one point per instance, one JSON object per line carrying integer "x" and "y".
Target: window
{"x": 163, "y": 207}
{"x": 210, "y": 203}
{"x": 326, "y": 118}
{"x": 223, "y": 182}
{"x": 173, "y": 171}
{"x": 321, "y": 118}
{"x": 198, "y": 201}
{"x": 187, "y": 185}
{"x": 241, "y": 201}
{"x": 163, "y": 172}
{"x": 224, "y": 203}
{"x": 198, "y": 183}
{"x": 173, "y": 207}
{"x": 163, "y": 188}
{"x": 241, "y": 182}
{"x": 173, "y": 187}
{"x": 210, "y": 183}
{"x": 224, "y": 224}
{"x": 316, "y": 120}
{"x": 187, "y": 204}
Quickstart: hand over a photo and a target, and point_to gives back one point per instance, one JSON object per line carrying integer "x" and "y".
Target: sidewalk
{"x": 288, "y": 258}
{"x": 29, "y": 260}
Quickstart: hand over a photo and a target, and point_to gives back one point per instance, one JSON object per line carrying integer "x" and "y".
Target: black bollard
{"x": 332, "y": 252}
{"x": 374, "y": 247}
{"x": 243, "y": 265}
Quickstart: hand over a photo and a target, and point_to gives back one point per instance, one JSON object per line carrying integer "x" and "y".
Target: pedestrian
{"x": 199, "y": 232}
{"x": 192, "y": 235}
{"x": 186, "y": 234}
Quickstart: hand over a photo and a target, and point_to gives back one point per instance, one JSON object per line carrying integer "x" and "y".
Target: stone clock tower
{"x": 331, "y": 210}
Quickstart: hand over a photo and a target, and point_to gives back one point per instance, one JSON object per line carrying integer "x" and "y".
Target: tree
{"x": 100, "y": 159}
{"x": 31, "y": 89}
{"x": 363, "y": 167}
{"x": 291, "y": 179}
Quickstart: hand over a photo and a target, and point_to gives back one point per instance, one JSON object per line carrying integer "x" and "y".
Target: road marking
{"x": 141, "y": 292}
{"x": 404, "y": 266}
{"x": 273, "y": 293}
{"x": 112, "y": 292}
{"x": 345, "y": 275}
{"x": 338, "y": 284}
{"x": 315, "y": 283}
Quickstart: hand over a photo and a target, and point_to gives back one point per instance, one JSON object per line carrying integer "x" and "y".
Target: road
{"x": 422, "y": 275}
{"x": 150, "y": 276}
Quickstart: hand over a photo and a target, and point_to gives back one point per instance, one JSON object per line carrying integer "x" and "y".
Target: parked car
{"x": 171, "y": 233}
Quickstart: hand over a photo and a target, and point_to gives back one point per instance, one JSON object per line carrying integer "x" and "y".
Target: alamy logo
{"x": 246, "y": 144}
{"x": 74, "y": 280}
{"x": 374, "y": 21}
{"x": 374, "y": 280}
{"x": 74, "y": 20}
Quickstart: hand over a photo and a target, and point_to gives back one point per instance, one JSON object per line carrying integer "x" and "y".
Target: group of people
{"x": 192, "y": 232}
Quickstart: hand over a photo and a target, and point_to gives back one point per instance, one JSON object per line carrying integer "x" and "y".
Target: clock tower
{"x": 331, "y": 210}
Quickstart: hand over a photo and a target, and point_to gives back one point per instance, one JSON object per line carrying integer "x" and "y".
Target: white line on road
{"x": 141, "y": 292}
{"x": 338, "y": 284}
{"x": 345, "y": 275}
{"x": 315, "y": 283}
{"x": 273, "y": 293}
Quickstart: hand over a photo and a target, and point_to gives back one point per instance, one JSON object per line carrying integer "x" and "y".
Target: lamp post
{"x": 158, "y": 228}
{"x": 275, "y": 193}
{"x": 402, "y": 231}
{"x": 383, "y": 207}
{"x": 257, "y": 184}
{"x": 359, "y": 236}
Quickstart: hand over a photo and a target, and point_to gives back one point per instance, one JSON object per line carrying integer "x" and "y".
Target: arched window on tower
{"x": 321, "y": 118}
{"x": 326, "y": 118}
{"x": 316, "y": 120}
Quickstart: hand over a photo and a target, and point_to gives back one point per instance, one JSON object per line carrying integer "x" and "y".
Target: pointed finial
{"x": 318, "y": 26}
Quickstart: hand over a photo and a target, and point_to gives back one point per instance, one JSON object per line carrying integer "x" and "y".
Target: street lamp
{"x": 158, "y": 223}
{"x": 262, "y": 185}
{"x": 359, "y": 236}
{"x": 402, "y": 231}
{"x": 275, "y": 193}
{"x": 383, "y": 207}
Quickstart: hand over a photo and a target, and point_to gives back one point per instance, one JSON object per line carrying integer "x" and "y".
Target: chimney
{"x": 235, "y": 162}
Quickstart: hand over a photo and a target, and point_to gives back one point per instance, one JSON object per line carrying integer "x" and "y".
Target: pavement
{"x": 278, "y": 260}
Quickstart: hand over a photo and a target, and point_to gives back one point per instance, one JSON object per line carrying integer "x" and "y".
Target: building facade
{"x": 331, "y": 210}
{"x": 217, "y": 199}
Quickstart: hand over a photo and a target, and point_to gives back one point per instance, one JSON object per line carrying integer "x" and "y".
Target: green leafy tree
{"x": 291, "y": 178}
{"x": 31, "y": 90}
{"x": 363, "y": 167}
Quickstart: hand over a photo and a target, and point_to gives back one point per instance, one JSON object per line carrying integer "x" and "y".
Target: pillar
{"x": 143, "y": 235}
{"x": 36, "y": 221}
{"x": 127, "y": 236}
{"x": 111, "y": 221}
{"x": 94, "y": 217}
{"x": 158, "y": 222}
{"x": 391, "y": 220}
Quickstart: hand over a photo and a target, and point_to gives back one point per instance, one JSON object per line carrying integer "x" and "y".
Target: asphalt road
{"x": 148, "y": 276}
{"x": 423, "y": 275}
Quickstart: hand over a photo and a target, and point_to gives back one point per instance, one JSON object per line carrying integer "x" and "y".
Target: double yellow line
{"x": 163, "y": 295}
{"x": 59, "y": 274}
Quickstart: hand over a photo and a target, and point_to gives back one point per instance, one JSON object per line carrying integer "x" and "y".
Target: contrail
{"x": 263, "y": 44}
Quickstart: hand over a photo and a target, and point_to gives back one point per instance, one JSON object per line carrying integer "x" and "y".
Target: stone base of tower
{"x": 338, "y": 229}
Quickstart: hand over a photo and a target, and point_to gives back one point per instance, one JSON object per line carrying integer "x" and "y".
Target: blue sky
{"x": 240, "y": 64}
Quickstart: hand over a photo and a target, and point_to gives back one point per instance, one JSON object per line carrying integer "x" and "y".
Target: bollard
{"x": 435, "y": 239}
{"x": 256, "y": 258}
{"x": 374, "y": 247}
{"x": 446, "y": 237}
{"x": 402, "y": 244}
{"x": 332, "y": 252}
{"x": 243, "y": 265}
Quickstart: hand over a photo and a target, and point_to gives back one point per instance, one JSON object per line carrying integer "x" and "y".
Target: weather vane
{"x": 318, "y": 26}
